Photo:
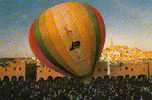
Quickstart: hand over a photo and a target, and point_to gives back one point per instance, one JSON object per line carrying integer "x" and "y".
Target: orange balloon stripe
{"x": 76, "y": 11}
{"x": 58, "y": 20}
{"x": 70, "y": 25}
{"x": 61, "y": 25}
{"x": 71, "y": 33}
{"x": 67, "y": 40}
{"x": 91, "y": 32}
{"x": 56, "y": 39}
{"x": 47, "y": 40}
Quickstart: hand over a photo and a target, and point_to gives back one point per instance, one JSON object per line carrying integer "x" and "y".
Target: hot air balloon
{"x": 70, "y": 36}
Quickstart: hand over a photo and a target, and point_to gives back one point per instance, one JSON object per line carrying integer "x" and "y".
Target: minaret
{"x": 111, "y": 44}
{"x": 108, "y": 58}
{"x": 108, "y": 65}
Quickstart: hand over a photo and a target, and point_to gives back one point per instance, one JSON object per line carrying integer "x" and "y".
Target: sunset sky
{"x": 128, "y": 22}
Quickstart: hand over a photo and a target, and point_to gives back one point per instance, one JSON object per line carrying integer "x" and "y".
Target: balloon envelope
{"x": 70, "y": 35}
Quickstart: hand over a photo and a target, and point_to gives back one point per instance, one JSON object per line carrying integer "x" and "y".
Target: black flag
{"x": 75, "y": 45}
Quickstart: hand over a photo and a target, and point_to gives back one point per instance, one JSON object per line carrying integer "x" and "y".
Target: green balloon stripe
{"x": 97, "y": 31}
{"x": 45, "y": 50}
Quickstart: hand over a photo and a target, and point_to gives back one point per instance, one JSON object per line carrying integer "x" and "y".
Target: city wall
{"x": 19, "y": 69}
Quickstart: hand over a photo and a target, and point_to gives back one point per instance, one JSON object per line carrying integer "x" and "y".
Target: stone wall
{"x": 123, "y": 70}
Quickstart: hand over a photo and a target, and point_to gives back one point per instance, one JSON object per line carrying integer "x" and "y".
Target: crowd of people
{"x": 107, "y": 88}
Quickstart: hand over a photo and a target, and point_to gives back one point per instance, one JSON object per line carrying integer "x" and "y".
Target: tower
{"x": 111, "y": 42}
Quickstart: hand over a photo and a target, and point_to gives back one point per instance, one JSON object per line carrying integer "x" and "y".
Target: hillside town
{"x": 125, "y": 54}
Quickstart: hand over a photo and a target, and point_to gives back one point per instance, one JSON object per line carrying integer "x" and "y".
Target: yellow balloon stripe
{"x": 89, "y": 29}
{"x": 61, "y": 27}
{"x": 67, "y": 38}
{"x": 90, "y": 32}
{"x": 72, "y": 34}
{"x": 47, "y": 40}
{"x": 57, "y": 40}
{"x": 83, "y": 32}
{"x": 66, "y": 21}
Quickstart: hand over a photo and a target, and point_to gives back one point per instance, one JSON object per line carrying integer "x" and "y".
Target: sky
{"x": 128, "y": 22}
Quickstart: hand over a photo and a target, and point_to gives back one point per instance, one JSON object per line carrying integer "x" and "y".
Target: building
{"x": 26, "y": 68}
{"x": 12, "y": 67}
